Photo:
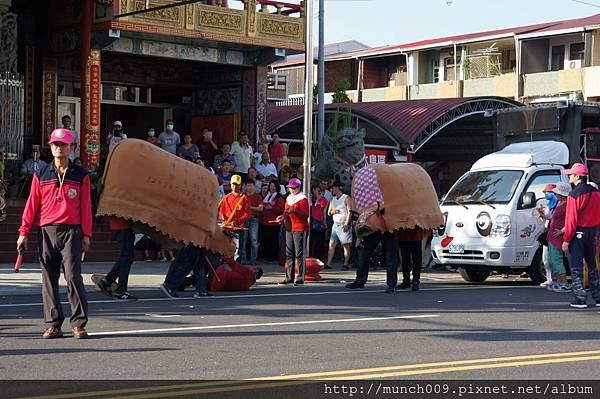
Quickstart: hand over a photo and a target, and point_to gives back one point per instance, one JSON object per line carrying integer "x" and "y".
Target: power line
{"x": 586, "y": 3}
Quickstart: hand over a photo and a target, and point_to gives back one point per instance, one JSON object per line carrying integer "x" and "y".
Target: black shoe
{"x": 404, "y": 285}
{"x": 415, "y": 286}
{"x": 389, "y": 290}
{"x": 579, "y": 304}
{"x": 286, "y": 282}
{"x": 327, "y": 267}
{"x": 168, "y": 292}
{"x": 104, "y": 287}
{"x": 200, "y": 294}
{"x": 126, "y": 296}
{"x": 355, "y": 285}
{"x": 299, "y": 282}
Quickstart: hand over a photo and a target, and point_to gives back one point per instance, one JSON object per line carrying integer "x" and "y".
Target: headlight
{"x": 501, "y": 226}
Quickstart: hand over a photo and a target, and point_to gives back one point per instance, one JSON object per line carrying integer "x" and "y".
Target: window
{"x": 540, "y": 180}
{"x": 489, "y": 186}
{"x": 558, "y": 58}
{"x": 576, "y": 51}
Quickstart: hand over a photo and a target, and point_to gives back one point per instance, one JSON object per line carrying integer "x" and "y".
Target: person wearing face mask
{"x": 545, "y": 213}
{"x": 169, "y": 139}
{"x": 151, "y": 137}
{"x": 116, "y": 136}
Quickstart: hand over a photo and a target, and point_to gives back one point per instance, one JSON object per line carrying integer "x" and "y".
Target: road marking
{"x": 216, "y": 297}
{"x": 162, "y": 315}
{"x": 275, "y": 324}
{"x": 352, "y": 374}
{"x": 464, "y": 368}
{"x": 425, "y": 365}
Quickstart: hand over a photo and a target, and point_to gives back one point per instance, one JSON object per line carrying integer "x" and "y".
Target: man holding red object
{"x": 295, "y": 220}
{"x": 60, "y": 191}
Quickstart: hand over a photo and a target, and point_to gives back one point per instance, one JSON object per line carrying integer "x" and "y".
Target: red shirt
{"x": 276, "y": 152}
{"x": 269, "y": 215}
{"x": 117, "y": 223}
{"x": 299, "y": 218}
{"x": 556, "y": 223}
{"x": 583, "y": 209}
{"x": 255, "y": 201}
{"x": 317, "y": 210}
{"x": 416, "y": 234}
{"x": 239, "y": 278}
{"x": 70, "y": 204}
{"x": 153, "y": 140}
{"x": 235, "y": 208}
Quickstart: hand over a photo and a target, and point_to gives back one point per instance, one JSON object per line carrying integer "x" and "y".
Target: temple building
{"x": 141, "y": 62}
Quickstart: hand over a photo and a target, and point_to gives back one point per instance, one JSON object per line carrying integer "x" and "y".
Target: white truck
{"x": 491, "y": 223}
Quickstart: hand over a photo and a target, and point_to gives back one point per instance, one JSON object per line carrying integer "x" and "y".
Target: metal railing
{"x": 12, "y": 105}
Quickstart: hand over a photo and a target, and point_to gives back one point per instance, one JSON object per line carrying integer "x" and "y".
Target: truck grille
{"x": 467, "y": 255}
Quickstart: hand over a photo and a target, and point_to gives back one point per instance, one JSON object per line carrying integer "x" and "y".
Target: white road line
{"x": 284, "y": 323}
{"x": 216, "y": 297}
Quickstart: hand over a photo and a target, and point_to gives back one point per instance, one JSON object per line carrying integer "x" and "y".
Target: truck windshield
{"x": 488, "y": 186}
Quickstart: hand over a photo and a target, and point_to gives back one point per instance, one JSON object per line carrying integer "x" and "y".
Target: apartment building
{"x": 534, "y": 63}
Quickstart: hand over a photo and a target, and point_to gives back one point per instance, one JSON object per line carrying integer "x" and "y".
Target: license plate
{"x": 456, "y": 248}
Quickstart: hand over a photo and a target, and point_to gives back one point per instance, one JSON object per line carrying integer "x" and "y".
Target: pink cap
{"x": 294, "y": 183}
{"x": 578, "y": 169}
{"x": 61, "y": 135}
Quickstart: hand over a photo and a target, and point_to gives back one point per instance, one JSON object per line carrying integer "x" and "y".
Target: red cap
{"x": 578, "y": 169}
{"x": 549, "y": 187}
{"x": 61, "y": 135}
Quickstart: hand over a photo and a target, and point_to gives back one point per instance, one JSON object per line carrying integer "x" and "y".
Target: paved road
{"x": 448, "y": 330}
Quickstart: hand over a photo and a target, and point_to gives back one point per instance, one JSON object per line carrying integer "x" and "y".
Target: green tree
{"x": 339, "y": 95}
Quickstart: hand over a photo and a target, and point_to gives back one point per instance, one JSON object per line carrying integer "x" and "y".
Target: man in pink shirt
{"x": 276, "y": 150}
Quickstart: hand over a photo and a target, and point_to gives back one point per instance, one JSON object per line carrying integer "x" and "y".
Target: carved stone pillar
{"x": 254, "y": 102}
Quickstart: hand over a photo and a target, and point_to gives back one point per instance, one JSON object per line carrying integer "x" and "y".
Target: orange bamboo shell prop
{"x": 173, "y": 196}
{"x": 409, "y": 199}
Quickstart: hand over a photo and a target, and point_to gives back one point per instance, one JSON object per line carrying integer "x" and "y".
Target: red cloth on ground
{"x": 239, "y": 278}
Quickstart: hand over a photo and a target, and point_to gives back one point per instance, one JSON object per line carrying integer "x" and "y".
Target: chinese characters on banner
{"x": 375, "y": 156}
{"x": 49, "y": 97}
{"x": 90, "y": 138}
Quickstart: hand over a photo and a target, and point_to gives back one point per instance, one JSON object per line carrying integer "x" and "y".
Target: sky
{"x": 382, "y": 22}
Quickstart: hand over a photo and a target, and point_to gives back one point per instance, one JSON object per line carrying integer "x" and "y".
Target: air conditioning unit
{"x": 572, "y": 64}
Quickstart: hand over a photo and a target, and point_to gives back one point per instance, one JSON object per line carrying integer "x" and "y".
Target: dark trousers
{"x": 122, "y": 266}
{"x": 318, "y": 245}
{"x": 389, "y": 243}
{"x": 412, "y": 259}
{"x": 189, "y": 258}
{"x": 269, "y": 240}
{"x": 61, "y": 244}
{"x": 294, "y": 251}
{"x": 583, "y": 246}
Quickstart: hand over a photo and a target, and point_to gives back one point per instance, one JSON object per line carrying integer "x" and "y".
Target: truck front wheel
{"x": 474, "y": 275}
{"x": 537, "y": 272}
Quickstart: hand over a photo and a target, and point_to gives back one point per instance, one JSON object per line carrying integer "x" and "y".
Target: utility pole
{"x": 321, "y": 73}
{"x": 308, "y": 95}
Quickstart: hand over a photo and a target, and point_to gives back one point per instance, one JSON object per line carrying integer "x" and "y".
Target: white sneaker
{"x": 547, "y": 283}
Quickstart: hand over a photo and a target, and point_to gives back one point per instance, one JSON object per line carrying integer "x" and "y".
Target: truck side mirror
{"x": 528, "y": 200}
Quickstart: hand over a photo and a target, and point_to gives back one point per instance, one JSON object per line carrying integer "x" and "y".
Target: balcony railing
{"x": 256, "y": 22}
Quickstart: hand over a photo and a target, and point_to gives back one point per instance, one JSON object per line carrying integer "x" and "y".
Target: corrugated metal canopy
{"x": 405, "y": 120}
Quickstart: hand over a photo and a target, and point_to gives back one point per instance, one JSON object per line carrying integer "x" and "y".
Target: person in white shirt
{"x": 243, "y": 153}
{"x": 266, "y": 168}
{"x": 66, "y": 124}
{"x": 116, "y": 136}
{"x": 260, "y": 148}
{"x": 339, "y": 209}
